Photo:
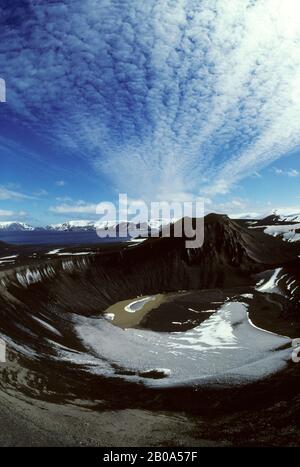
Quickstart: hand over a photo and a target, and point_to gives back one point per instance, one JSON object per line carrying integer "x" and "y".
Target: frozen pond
{"x": 129, "y": 313}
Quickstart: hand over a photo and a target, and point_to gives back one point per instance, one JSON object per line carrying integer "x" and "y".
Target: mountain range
{"x": 79, "y": 226}
{"x": 90, "y": 226}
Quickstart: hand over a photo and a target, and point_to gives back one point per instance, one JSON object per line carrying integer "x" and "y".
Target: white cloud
{"x": 256, "y": 175}
{"x": 162, "y": 96}
{"x": 230, "y": 207}
{"x": 6, "y": 194}
{"x": 80, "y": 207}
{"x": 60, "y": 183}
{"x": 40, "y": 193}
{"x": 288, "y": 172}
{"x": 63, "y": 199}
{"x": 9, "y": 213}
{"x": 262, "y": 211}
{"x": 22, "y": 214}
{"x": 293, "y": 173}
{"x": 6, "y": 213}
{"x": 246, "y": 215}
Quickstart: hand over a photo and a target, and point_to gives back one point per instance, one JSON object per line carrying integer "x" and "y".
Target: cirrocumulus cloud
{"x": 162, "y": 96}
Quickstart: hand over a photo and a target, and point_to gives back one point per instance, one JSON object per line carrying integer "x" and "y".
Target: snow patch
{"x": 137, "y": 305}
{"x": 109, "y": 316}
{"x": 287, "y": 232}
{"x": 54, "y": 252}
{"x": 271, "y": 285}
{"x": 82, "y": 253}
{"x": 46, "y": 325}
{"x": 9, "y": 257}
{"x": 225, "y": 349}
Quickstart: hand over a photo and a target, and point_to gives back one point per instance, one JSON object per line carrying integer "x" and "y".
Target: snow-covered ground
{"x": 224, "y": 349}
{"x": 136, "y": 240}
{"x": 54, "y": 252}
{"x": 81, "y": 253}
{"x": 288, "y": 283}
{"x": 66, "y": 253}
{"x": 287, "y": 232}
{"x": 270, "y": 286}
{"x": 47, "y": 325}
{"x": 8, "y": 259}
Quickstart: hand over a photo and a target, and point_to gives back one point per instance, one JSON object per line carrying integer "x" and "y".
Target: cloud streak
{"x": 289, "y": 173}
{"x": 161, "y": 97}
{"x": 79, "y": 207}
{"x": 6, "y": 213}
{"x": 6, "y": 194}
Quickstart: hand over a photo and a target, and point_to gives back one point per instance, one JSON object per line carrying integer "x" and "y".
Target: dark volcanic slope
{"x": 228, "y": 258}
{"x": 52, "y": 287}
{"x": 42, "y": 291}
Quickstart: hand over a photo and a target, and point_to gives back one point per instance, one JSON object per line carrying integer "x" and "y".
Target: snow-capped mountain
{"x": 14, "y": 226}
{"x": 86, "y": 225}
{"x": 288, "y": 223}
{"x": 71, "y": 226}
{"x": 83, "y": 225}
{"x": 292, "y": 218}
{"x": 286, "y": 227}
{"x": 277, "y": 219}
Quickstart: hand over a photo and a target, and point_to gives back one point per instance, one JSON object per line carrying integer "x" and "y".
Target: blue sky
{"x": 169, "y": 100}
